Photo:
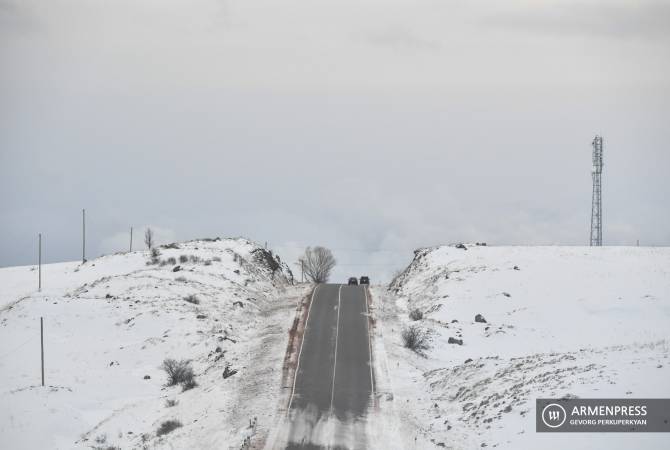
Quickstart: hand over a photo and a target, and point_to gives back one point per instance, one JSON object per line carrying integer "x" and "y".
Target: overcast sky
{"x": 371, "y": 127}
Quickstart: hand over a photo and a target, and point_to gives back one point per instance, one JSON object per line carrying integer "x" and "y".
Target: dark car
{"x": 365, "y": 280}
{"x": 353, "y": 280}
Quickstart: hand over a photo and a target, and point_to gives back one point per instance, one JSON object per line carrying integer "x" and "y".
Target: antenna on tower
{"x": 596, "y": 197}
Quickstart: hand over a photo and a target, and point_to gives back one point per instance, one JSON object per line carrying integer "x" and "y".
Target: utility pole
{"x": 302, "y": 271}
{"x": 131, "y": 239}
{"x": 39, "y": 263}
{"x": 42, "y": 346}
{"x": 83, "y": 236}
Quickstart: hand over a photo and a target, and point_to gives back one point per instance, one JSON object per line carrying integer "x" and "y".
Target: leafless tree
{"x": 318, "y": 263}
{"x": 149, "y": 238}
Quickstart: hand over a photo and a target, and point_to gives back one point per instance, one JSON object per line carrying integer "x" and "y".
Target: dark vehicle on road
{"x": 353, "y": 280}
{"x": 365, "y": 280}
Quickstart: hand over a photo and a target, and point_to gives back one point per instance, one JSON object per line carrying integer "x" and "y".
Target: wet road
{"x": 334, "y": 380}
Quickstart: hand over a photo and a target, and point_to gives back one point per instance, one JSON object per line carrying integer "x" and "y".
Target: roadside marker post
{"x": 39, "y": 262}
{"x": 42, "y": 346}
{"x": 83, "y": 236}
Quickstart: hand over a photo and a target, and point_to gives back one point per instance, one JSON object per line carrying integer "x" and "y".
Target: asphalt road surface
{"x": 334, "y": 380}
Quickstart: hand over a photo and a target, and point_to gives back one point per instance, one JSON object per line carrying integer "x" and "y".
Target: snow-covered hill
{"x": 111, "y": 322}
{"x": 589, "y": 322}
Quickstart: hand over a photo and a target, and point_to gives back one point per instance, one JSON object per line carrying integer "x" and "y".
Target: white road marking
{"x": 337, "y": 333}
{"x": 367, "y": 322}
{"x": 295, "y": 375}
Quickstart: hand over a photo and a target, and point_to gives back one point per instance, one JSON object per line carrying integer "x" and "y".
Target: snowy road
{"x": 334, "y": 380}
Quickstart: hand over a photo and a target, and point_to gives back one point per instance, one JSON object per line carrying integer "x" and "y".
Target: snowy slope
{"x": 112, "y": 321}
{"x": 590, "y": 322}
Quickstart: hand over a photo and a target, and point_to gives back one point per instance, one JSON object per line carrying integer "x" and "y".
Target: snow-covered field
{"x": 589, "y": 322}
{"x": 110, "y": 323}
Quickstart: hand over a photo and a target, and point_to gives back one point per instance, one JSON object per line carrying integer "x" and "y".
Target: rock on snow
{"x": 590, "y": 322}
{"x": 110, "y": 323}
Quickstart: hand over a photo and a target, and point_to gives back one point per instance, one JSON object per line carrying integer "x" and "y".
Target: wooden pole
{"x": 83, "y": 236}
{"x": 131, "y": 239}
{"x": 42, "y": 346}
{"x": 39, "y": 263}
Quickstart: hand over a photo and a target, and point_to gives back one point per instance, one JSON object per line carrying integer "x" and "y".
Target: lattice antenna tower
{"x": 596, "y": 197}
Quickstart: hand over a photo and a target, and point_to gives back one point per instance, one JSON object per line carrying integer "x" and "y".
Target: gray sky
{"x": 372, "y": 127}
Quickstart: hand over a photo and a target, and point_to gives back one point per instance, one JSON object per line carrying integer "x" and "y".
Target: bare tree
{"x": 318, "y": 263}
{"x": 149, "y": 238}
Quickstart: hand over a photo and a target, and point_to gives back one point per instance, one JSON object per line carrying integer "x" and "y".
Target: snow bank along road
{"x": 109, "y": 324}
{"x": 334, "y": 381}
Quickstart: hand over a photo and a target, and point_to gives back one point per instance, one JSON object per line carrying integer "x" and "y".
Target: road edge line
{"x": 367, "y": 322}
{"x": 302, "y": 341}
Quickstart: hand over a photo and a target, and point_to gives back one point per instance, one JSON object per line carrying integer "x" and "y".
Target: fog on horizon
{"x": 368, "y": 127}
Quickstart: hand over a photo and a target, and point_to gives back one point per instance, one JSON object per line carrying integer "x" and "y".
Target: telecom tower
{"x": 596, "y": 198}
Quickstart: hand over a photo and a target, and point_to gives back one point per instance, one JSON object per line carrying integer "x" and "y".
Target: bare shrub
{"x": 398, "y": 280}
{"x": 266, "y": 258}
{"x": 169, "y": 403}
{"x": 195, "y": 259}
{"x": 167, "y": 427}
{"x": 155, "y": 256}
{"x": 101, "y": 440}
{"x": 149, "y": 238}
{"x": 416, "y": 314}
{"x": 178, "y": 372}
{"x": 318, "y": 262}
{"x": 188, "y": 385}
{"x": 171, "y": 260}
{"x": 183, "y": 259}
{"x": 416, "y": 339}
{"x": 208, "y": 262}
{"x": 181, "y": 279}
{"x": 216, "y": 258}
{"x": 192, "y": 299}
